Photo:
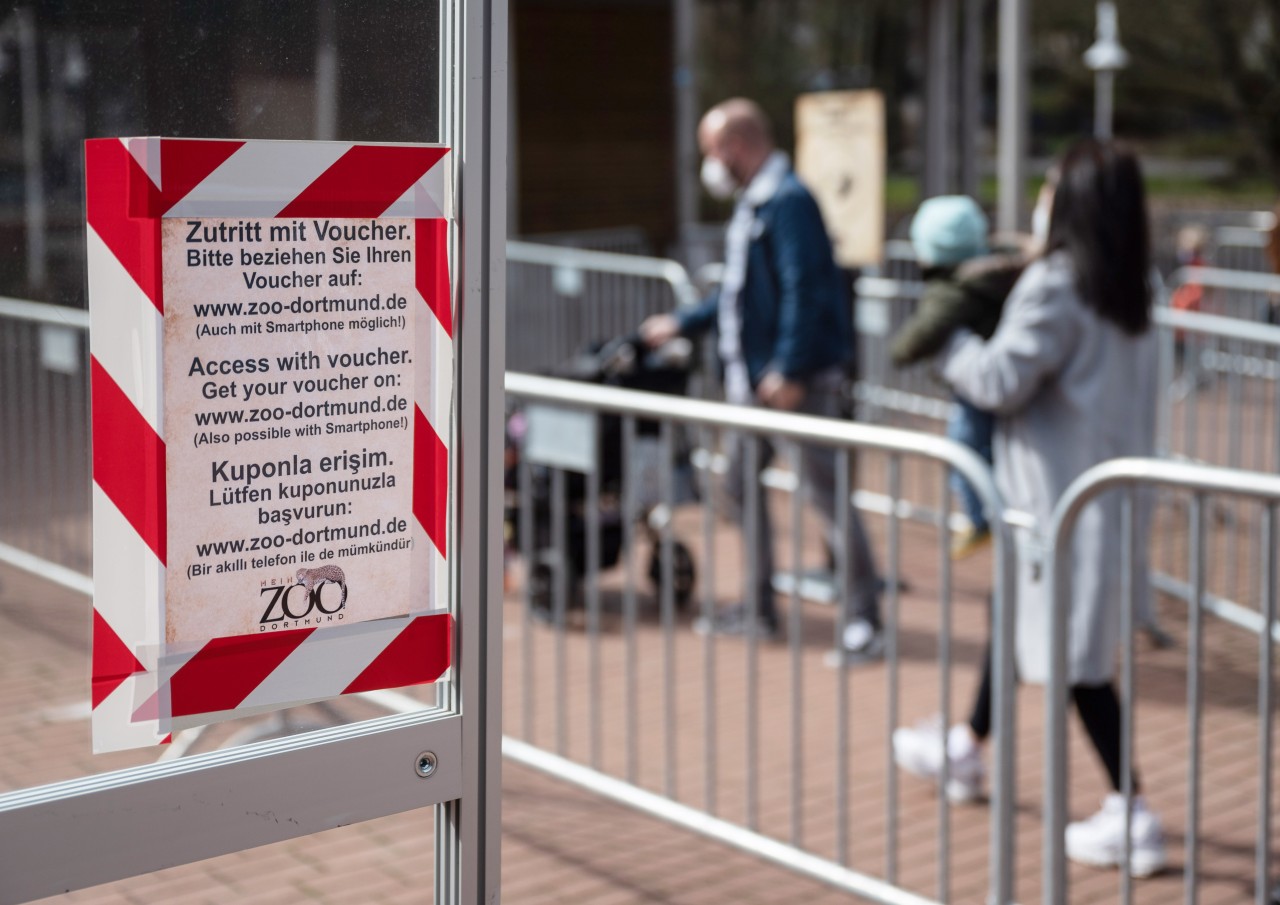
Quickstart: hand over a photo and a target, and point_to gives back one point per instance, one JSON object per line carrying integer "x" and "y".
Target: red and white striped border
{"x": 139, "y": 690}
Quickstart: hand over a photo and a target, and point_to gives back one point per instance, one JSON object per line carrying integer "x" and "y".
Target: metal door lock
{"x": 425, "y": 764}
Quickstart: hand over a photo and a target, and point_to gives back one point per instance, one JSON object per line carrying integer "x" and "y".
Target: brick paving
{"x": 563, "y": 845}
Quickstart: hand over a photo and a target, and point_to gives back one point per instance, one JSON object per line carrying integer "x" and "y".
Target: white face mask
{"x": 1040, "y": 218}
{"x": 717, "y": 179}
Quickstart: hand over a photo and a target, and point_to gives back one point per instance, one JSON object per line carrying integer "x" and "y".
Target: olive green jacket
{"x": 972, "y": 296}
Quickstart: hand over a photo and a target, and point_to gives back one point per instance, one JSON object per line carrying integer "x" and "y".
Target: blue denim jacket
{"x": 796, "y": 316}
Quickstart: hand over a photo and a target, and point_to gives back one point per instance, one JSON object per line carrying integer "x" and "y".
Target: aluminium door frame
{"x": 84, "y": 832}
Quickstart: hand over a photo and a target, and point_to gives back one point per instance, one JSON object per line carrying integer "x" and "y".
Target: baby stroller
{"x": 531, "y": 432}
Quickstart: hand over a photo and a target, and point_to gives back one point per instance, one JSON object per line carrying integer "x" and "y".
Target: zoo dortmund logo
{"x": 285, "y": 608}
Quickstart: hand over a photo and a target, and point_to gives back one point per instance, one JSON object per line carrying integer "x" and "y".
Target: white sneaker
{"x": 1099, "y": 841}
{"x": 861, "y": 642}
{"x": 918, "y": 750}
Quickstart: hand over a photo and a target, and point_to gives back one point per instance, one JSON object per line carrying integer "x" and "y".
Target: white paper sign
{"x": 288, "y": 371}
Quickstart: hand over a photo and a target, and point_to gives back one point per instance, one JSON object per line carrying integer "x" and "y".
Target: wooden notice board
{"x": 840, "y": 155}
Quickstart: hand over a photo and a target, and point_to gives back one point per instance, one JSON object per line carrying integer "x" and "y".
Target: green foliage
{"x": 773, "y": 50}
{"x": 1203, "y": 79}
{"x": 1246, "y": 36}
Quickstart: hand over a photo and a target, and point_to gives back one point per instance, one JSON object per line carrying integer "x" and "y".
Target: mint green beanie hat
{"x": 948, "y": 229}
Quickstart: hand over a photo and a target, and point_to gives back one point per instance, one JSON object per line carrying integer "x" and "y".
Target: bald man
{"x": 785, "y": 336}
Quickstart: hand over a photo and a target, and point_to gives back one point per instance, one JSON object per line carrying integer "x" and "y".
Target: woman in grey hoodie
{"x": 1070, "y": 374}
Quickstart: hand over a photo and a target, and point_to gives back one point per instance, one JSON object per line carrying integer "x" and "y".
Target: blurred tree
{"x": 772, "y": 50}
{"x": 1173, "y": 93}
{"x": 1245, "y": 35}
{"x": 1203, "y": 80}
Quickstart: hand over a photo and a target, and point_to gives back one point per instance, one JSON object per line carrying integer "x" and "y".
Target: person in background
{"x": 1271, "y": 249}
{"x": 1191, "y": 243}
{"x": 785, "y": 335}
{"x": 965, "y": 286}
{"x": 1070, "y": 373}
{"x": 1272, "y": 244}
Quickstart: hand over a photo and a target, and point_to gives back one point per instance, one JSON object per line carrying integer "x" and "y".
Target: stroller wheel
{"x": 542, "y": 584}
{"x": 684, "y": 573}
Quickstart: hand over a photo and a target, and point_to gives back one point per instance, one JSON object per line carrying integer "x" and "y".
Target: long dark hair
{"x": 1100, "y": 219}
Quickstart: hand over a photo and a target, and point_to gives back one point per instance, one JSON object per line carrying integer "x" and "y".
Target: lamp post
{"x": 1015, "y": 36}
{"x": 1106, "y": 57}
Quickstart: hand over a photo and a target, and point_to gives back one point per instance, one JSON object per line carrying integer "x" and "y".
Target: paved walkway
{"x": 562, "y": 845}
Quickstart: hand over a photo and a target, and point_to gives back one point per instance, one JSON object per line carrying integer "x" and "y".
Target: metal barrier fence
{"x": 44, "y": 440}
{"x": 1221, "y": 402}
{"x": 899, "y": 262}
{"x": 1203, "y": 484}
{"x": 1225, "y": 234}
{"x": 1219, "y": 405}
{"x": 1231, "y": 293}
{"x": 564, "y": 299}
{"x": 886, "y": 393}
{"x": 560, "y": 300}
{"x": 626, "y": 240}
{"x": 617, "y": 711}
{"x": 44, "y": 465}
{"x": 1240, "y": 248}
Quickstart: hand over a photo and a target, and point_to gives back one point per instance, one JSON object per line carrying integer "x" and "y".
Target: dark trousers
{"x": 1099, "y": 710}
{"x": 818, "y": 465}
